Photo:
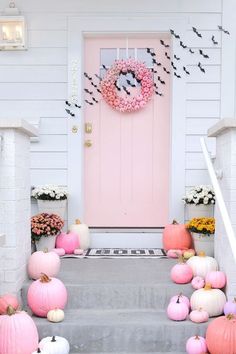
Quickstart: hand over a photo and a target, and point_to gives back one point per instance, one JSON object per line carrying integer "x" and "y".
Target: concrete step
{"x": 117, "y": 331}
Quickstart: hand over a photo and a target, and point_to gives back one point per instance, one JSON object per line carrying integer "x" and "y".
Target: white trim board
{"x": 77, "y": 28}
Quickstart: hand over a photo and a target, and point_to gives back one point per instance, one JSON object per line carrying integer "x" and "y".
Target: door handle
{"x": 88, "y": 143}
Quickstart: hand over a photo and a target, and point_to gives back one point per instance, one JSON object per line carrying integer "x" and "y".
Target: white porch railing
{"x": 220, "y": 200}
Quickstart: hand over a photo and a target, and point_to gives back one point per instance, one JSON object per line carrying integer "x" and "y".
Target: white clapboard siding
{"x": 203, "y": 109}
{"x": 50, "y": 143}
{"x": 194, "y": 177}
{"x": 33, "y": 73}
{"x": 42, "y": 160}
{"x": 213, "y": 53}
{"x": 203, "y": 91}
{"x": 204, "y": 21}
{"x": 33, "y": 108}
{"x": 192, "y": 40}
{"x": 32, "y": 91}
{"x": 193, "y": 143}
{"x": 38, "y": 21}
{"x": 48, "y": 176}
{"x": 53, "y": 126}
{"x": 195, "y": 161}
{"x": 213, "y": 74}
{"x": 199, "y": 125}
{"x": 47, "y": 39}
{"x": 35, "y": 56}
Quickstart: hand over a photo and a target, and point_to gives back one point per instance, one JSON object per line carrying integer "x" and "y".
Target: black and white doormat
{"x": 121, "y": 253}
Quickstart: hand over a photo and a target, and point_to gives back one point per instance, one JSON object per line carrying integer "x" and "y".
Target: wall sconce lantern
{"x": 12, "y": 29}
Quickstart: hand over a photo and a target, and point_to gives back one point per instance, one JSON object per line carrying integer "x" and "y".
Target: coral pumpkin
{"x": 46, "y": 294}
{"x": 19, "y": 334}
{"x": 196, "y": 345}
{"x": 177, "y": 311}
{"x": 176, "y": 236}
{"x": 69, "y": 242}
{"x": 43, "y": 262}
{"x": 217, "y": 279}
{"x": 221, "y": 334}
{"x": 8, "y": 300}
{"x": 230, "y": 307}
{"x": 181, "y": 273}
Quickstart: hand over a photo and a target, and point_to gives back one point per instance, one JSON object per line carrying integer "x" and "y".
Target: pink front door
{"x": 127, "y": 166}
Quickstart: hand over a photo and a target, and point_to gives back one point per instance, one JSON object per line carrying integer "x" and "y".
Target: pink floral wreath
{"x": 142, "y": 75}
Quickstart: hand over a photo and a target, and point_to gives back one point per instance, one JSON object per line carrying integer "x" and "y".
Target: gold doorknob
{"x": 88, "y": 143}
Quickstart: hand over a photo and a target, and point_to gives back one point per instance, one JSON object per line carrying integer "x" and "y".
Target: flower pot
{"x": 53, "y": 207}
{"x": 46, "y": 243}
{"x": 198, "y": 211}
{"x": 203, "y": 243}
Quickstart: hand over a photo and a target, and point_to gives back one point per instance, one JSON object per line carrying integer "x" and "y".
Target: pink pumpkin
{"x": 181, "y": 273}
{"x": 230, "y": 307}
{"x": 69, "y": 242}
{"x": 43, "y": 262}
{"x": 217, "y": 279}
{"x": 198, "y": 282}
{"x": 181, "y": 299}
{"x": 78, "y": 251}
{"x": 199, "y": 316}
{"x": 196, "y": 345}
{"x": 46, "y": 294}
{"x": 59, "y": 251}
{"x": 8, "y": 300}
{"x": 174, "y": 253}
{"x": 19, "y": 334}
{"x": 177, "y": 311}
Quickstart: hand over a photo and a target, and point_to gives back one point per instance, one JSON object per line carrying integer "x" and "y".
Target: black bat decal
{"x": 88, "y": 77}
{"x": 104, "y": 67}
{"x": 89, "y": 92}
{"x": 201, "y": 68}
{"x": 213, "y": 40}
{"x": 158, "y": 93}
{"x": 93, "y": 84}
{"x": 161, "y": 81}
{"x": 77, "y": 106}
{"x": 196, "y": 31}
{"x": 168, "y": 72}
{"x": 67, "y": 103}
{"x": 178, "y": 76}
{"x": 153, "y": 71}
{"x": 182, "y": 45}
{"x": 148, "y": 50}
{"x": 166, "y": 54}
{"x": 177, "y": 58}
{"x": 223, "y": 30}
{"x": 204, "y": 55}
{"x": 98, "y": 77}
{"x": 117, "y": 87}
{"x": 69, "y": 112}
{"x": 153, "y": 54}
{"x": 91, "y": 103}
{"x": 99, "y": 91}
{"x": 130, "y": 83}
{"x": 191, "y": 51}
{"x": 164, "y": 44}
{"x": 174, "y": 34}
{"x": 187, "y": 72}
{"x": 94, "y": 99}
{"x": 125, "y": 89}
{"x": 173, "y": 65}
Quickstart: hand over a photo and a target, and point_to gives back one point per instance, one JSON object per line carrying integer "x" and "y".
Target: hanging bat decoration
{"x": 167, "y": 56}
{"x": 90, "y": 103}
{"x": 166, "y": 71}
{"x": 158, "y": 93}
{"x": 201, "y": 68}
{"x": 155, "y": 62}
{"x": 153, "y": 71}
{"x": 94, "y": 99}
{"x": 204, "y": 55}
{"x": 69, "y": 112}
{"x": 161, "y": 81}
{"x": 89, "y": 92}
{"x": 99, "y": 91}
{"x": 67, "y": 103}
{"x": 182, "y": 45}
{"x": 178, "y": 76}
{"x": 173, "y": 65}
{"x": 174, "y": 34}
{"x": 191, "y": 51}
{"x": 148, "y": 50}
{"x": 125, "y": 89}
{"x": 93, "y": 84}
{"x": 77, "y": 106}
{"x": 185, "y": 70}
{"x": 164, "y": 44}
{"x": 213, "y": 40}
{"x": 223, "y": 30}
{"x": 196, "y": 31}
{"x": 88, "y": 77}
{"x": 152, "y": 54}
{"x": 104, "y": 67}
{"x": 177, "y": 58}
{"x": 130, "y": 83}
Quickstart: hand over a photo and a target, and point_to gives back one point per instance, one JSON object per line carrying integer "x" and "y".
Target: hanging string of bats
{"x": 95, "y": 82}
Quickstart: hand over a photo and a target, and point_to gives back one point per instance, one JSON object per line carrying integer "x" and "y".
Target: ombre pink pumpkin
{"x": 177, "y": 311}
{"x": 196, "y": 345}
{"x": 181, "y": 273}
{"x": 18, "y": 333}
{"x": 181, "y": 298}
{"x": 199, "y": 316}
{"x": 46, "y": 294}
{"x": 198, "y": 282}
{"x": 59, "y": 251}
{"x": 217, "y": 279}
{"x": 8, "y": 300}
{"x": 69, "y": 242}
{"x": 174, "y": 253}
{"x": 43, "y": 262}
{"x": 230, "y": 307}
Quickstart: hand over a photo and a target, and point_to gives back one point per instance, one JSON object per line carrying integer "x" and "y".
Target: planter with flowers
{"x": 44, "y": 230}
{"x": 51, "y": 199}
{"x": 202, "y": 230}
{"x": 199, "y": 202}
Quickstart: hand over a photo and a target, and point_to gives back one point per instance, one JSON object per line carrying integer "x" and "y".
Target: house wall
{"x": 33, "y": 83}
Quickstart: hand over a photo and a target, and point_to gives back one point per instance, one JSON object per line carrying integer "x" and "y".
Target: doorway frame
{"x": 78, "y": 28}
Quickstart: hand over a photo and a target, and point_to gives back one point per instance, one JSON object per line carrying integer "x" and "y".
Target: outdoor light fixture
{"x": 12, "y": 29}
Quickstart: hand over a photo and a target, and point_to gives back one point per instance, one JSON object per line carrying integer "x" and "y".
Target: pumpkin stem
{"x": 177, "y": 301}
{"x": 230, "y": 316}
{"x": 202, "y": 254}
{"x": 53, "y": 339}
{"x": 174, "y": 222}
{"x": 197, "y": 337}
{"x": 45, "y": 251}
{"x": 77, "y": 221}
{"x": 181, "y": 259}
{"x": 10, "y": 310}
{"x": 44, "y": 278}
{"x": 38, "y": 351}
{"x": 234, "y": 299}
{"x": 207, "y": 286}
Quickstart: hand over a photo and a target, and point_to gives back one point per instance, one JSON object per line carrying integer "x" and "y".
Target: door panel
{"x": 127, "y": 166}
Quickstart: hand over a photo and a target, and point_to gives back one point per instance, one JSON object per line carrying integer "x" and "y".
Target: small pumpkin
{"x": 181, "y": 298}
{"x": 199, "y": 316}
{"x": 82, "y": 232}
{"x": 43, "y": 262}
{"x": 202, "y": 264}
{"x": 69, "y": 242}
{"x": 198, "y": 282}
{"x": 181, "y": 273}
{"x": 56, "y": 315}
{"x": 230, "y": 307}
{"x": 221, "y": 334}
{"x": 210, "y": 300}
{"x": 217, "y": 279}
{"x": 196, "y": 345}
{"x": 176, "y": 236}
{"x": 8, "y": 300}
{"x": 59, "y": 251}
{"x": 174, "y": 253}
{"x": 177, "y": 311}
{"x": 55, "y": 345}
{"x": 78, "y": 251}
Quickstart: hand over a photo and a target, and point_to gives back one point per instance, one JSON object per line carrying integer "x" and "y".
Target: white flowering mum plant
{"x": 49, "y": 192}
{"x": 200, "y": 195}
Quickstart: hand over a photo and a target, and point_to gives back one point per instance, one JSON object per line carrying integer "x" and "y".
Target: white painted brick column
{"x": 225, "y": 133}
{"x": 14, "y": 202}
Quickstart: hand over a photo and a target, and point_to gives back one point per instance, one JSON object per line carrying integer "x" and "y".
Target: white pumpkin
{"x": 208, "y": 299}
{"x": 56, "y": 315}
{"x": 55, "y": 345}
{"x": 82, "y": 231}
{"x": 202, "y": 264}
{"x": 40, "y": 351}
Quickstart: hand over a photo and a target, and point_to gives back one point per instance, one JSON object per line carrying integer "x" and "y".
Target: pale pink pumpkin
{"x": 177, "y": 311}
{"x": 230, "y": 307}
{"x": 8, "y": 300}
{"x": 43, "y": 262}
{"x": 199, "y": 316}
{"x": 78, "y": 251}
{"x": 174, "y": 253}
{"x": 217, "y": 279}
{"x": 19, "y": 334}
{"x": 59, "y": 251}
{"x": 46, "y": 294}
{"x": 198, "y": 282}
{"x": 196, "y": 345}
{"x": 181, "y": 273}
{"x": 69, "y": 242}
{"x": 181, "y": 298}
